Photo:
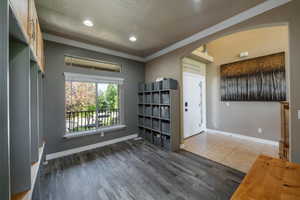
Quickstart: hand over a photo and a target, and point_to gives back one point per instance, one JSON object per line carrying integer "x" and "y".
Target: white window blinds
{"x": 91, "y": 63}
{"x": 91, "y": 78}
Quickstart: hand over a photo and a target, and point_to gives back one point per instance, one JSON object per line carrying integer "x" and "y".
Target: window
{"x": 91, "y": 102}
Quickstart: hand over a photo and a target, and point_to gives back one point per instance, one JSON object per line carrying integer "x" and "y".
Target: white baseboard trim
{"x": 88, "y": 147}
{"x": 264, "y": 141}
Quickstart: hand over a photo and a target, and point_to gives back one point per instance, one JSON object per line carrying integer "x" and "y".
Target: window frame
{"x": 76, "y": 77}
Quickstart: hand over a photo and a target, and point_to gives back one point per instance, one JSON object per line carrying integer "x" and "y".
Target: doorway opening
{"x": 194, "y": 98}
{"x": 245, "y": 93}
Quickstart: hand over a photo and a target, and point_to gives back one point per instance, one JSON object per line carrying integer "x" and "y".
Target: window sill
{"x": 94, "y": 132}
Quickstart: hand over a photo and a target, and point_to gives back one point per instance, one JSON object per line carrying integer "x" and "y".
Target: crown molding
{"x": 83, "y": 45}
{"x": 243, "y": 16}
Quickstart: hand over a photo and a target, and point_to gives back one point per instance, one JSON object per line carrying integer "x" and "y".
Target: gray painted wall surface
{"x": 169, "y": 65}
{"x": 294, "y": 43}
{"x": 244, "y": 117}
{"x": 4, "y": 103}
{"x": 20, "y": 125}
{"x": 132, "y": 72}
{"x": 40, "y": 108}
{"x": 34, "y": 112}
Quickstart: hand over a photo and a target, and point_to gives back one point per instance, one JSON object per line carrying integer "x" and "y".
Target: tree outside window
{"x": 91, "y": 105}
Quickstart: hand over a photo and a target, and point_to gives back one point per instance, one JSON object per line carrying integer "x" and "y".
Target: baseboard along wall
{"x": 237, "y": 135}
{"x": 88, "y": 147}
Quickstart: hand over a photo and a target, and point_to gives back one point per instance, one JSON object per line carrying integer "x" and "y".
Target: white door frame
{"x": 203, "y": 79}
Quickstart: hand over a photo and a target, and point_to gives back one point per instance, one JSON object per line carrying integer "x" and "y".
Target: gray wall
{"x": 132, "y": 72}
{"x": 34, "y": 112}
{"x": 294, "y": 44}
{"x": 170, "y": 64}
{"x": 20, "y": 116}
{"x": 4, "y": 103}
{"x": 244, "y": 117}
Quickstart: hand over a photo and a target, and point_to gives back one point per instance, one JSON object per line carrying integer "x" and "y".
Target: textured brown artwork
{"x": 257, "y": 79}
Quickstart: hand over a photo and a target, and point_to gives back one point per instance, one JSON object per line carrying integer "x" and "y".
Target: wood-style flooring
{"x": 135, "y": 170}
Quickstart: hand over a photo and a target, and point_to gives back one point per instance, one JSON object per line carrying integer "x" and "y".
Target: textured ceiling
{"x": 156, "y": 23}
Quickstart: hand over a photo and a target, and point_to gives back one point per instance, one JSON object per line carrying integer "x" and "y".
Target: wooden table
{"x": 270, "y": 178}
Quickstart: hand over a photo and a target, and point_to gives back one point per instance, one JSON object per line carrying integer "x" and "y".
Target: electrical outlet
{"x": 102, "y": 134}
{"x": 259, "y": 130}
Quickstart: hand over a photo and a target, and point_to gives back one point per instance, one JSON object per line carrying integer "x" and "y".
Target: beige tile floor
{"x": 230, "y": 151}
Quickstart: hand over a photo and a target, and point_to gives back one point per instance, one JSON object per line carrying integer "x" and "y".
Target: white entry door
{"x": 193, "y": 104}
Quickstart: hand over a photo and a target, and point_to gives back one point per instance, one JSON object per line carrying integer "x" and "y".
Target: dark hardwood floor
{"x": 135, "y": 170}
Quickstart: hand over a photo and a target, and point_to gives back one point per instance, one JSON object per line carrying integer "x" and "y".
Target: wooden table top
{"x": 270, "y": 178}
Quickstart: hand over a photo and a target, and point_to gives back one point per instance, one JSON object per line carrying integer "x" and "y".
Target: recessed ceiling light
{"x": 88, "y": 23}
{"x": 132, "y": 38}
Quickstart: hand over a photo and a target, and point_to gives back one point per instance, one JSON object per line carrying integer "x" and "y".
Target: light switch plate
{"x": 298, "y": 114}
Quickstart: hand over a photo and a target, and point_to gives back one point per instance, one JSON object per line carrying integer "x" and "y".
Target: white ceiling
{"x": 156, "y": 23}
